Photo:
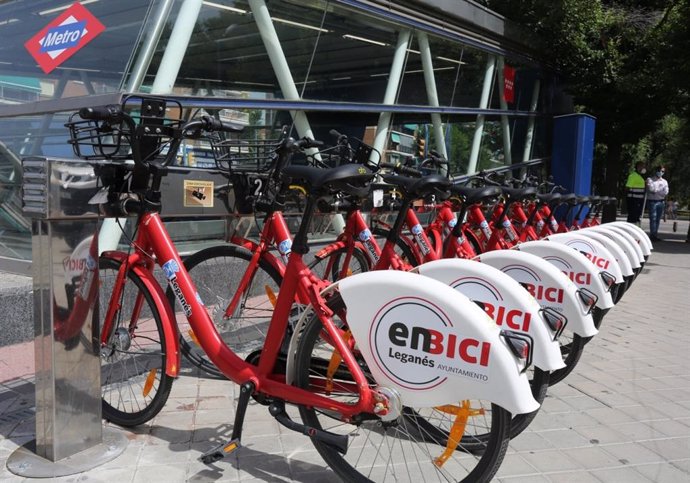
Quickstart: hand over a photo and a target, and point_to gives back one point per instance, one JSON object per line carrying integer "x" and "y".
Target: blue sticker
{"x": 364, "y": 235}
{"x": 452, "y": 223}
{"x": 417, "y": 229}
{"x": 171, "y": 268}
{"x": 285, "y": 246}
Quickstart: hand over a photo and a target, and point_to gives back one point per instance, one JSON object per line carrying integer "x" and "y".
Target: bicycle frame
{"x": 153, "y": 242}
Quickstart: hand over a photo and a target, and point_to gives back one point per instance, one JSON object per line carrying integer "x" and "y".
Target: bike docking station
{"x": 68, "y": 234}
{"x": 70, "y": 437}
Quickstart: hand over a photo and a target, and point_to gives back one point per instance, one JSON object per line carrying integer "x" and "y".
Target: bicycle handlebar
{"x": 400, "y": 169}
{"x": 111, "y": 112}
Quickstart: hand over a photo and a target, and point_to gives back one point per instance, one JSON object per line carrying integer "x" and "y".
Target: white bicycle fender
{"x": 504, "y": 300}
{"x": 613, "y": 247}
{"x": 600, "y": 256}
{"x": 430, "y": 343}
{"x": 547, "y": 284}
{"x": 638, "y": 234}
{"x": 619, "y": 240}
{"x": 578, "y": 269}
{"x": 630, "y": 242}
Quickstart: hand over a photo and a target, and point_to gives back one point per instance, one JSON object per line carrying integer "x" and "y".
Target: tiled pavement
{"x": 622, "y": 416}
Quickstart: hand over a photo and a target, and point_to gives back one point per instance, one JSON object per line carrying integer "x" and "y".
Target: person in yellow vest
{"x": 634, "y": 191}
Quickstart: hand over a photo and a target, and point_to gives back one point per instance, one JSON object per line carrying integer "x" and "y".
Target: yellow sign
{"x": 198, "y": 193}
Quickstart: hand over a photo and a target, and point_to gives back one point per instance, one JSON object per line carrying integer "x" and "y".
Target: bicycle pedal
{"x": 220, "y": 452}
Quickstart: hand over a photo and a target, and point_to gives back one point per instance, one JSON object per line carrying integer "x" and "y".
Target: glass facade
{"x": 337, "y": 58}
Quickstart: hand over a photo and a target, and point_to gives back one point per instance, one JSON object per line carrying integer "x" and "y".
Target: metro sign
{"x": 63, "y": 37}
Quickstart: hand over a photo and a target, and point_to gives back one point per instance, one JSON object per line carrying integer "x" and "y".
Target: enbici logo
{"x": 63, "y": 37}
{"x": 416, "y": 346}
{"x": 490, "y": 299}
{"x": 579, "y": 278}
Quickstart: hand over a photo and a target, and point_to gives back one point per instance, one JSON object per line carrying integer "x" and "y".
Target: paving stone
{"x": 671, "y": 448}
{"x": 573, "y": 477}
{"x": 663, "y": 472}
{"x": 620, "y": 475}
{"x": 632, "y": 453}
{"x": 515, "y": 465}
{"x": 551, "y": 460}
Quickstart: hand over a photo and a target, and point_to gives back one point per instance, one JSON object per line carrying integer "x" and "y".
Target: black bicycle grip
{"x": 306, "y": 142}
{"x": 111, "y": 112}
{"x": 335, "y": 134}
{"x": 400, "y": 169}
{"x": 436, "y": 157}
{"x": 213, "y": 124}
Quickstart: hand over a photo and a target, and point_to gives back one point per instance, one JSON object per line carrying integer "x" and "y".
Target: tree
{"x": 626, "y": 63}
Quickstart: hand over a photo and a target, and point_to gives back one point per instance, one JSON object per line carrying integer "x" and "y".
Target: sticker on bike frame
{"x": 186, "y": 308}
{"x": 418, "y": 348}
{"x": 170, "y": 268}
{"x": 365, "y": 237}
{"x": 285, "y": 247}
{"x": 417, "y": 231}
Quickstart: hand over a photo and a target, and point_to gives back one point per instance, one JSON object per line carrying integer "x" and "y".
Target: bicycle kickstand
{"x": 221, "y": 451}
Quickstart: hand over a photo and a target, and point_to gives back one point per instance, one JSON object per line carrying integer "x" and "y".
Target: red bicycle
{"x": 328, "y": 378}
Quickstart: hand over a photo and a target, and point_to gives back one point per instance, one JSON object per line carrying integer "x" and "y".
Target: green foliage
{"x": 625, "y": 62}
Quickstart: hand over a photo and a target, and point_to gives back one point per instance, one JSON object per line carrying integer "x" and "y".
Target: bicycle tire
{"x": 401, "y": 248}
{"x": 572, "y": 351}
{"x": 409, "y": 432}
{"x": 134, "y": 384}
{"x": 216, "y": 272}
{"x": 320, "y": 265}
{"x": 539, "y": 383}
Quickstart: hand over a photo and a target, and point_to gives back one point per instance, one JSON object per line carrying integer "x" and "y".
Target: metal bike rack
{"x": 70, "y": 437}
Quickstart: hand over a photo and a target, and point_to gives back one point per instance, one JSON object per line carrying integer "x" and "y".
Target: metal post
{"x": 430, "y": 81}
{"x": 483, "y": 104}
{"x": 70, "y": 437}
{"x": 391, "y": 92}
{"x": 507, "y": 156}
{"x": 280, "y": 65}
{"x": 136, "y": 77}
{"x": 527, "y": 153}
{"x": 177, "y": 47}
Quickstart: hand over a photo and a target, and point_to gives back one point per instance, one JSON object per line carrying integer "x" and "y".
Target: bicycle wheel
{"x": 407, "y": 447}
{"x": 401, "y": 248}
{"x": 539, "y": 383}
{"x": 571, "y": 350}
{"x": 134, "y": 385}
{"x": 216, "y": 273}
{"x": 331, "y": 267}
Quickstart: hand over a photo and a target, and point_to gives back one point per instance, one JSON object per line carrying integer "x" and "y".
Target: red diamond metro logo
{"x": 63, "y": 37}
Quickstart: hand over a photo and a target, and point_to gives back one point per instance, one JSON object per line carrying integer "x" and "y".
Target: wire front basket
{"x": 356, "y": 151}
{"x": 234, "y": 155}
{"x": 157, "y": 122}
{"x": 98, "y": 139}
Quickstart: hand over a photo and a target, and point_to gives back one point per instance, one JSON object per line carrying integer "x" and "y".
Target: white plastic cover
{"x": 596, "y": 252}
{"x": 638, "y": 233}
{"x": 430, "y": 343}
{"x": 547, "y": 284}
{"x": 503, "y": 299}
{"x": 574, "y": 264}
{"x": 629, "y": 244}
{"x": 618, "y": 253}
